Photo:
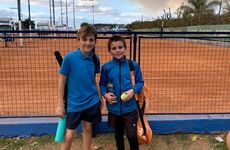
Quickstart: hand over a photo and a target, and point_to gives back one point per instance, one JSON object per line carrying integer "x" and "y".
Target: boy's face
{"x": 87, "y": 43}
{"x": 117, "y": 49}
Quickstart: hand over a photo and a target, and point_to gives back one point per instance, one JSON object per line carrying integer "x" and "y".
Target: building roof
{"x": 6, "y": 19}
{"x": 43, "y": 24}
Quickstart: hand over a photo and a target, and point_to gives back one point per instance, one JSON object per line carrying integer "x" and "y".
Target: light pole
{"x": 53, "y": 15}
{"x": 66, "y": 9}
{"x": 93, "y": 11}
{"x": 61, "y": 14}
{"x": 19, "y": 20}
{"x": 29, "y": 14}
{"x": 89, "y": 6}
{"x": 74, "y": 16}
{"x": 50, "y": 13}
{"x": 19, "y": 15}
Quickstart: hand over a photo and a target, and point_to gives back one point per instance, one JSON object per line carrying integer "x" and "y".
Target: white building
{"x": 43, "y": 26}
{"x": 7, "y": 24}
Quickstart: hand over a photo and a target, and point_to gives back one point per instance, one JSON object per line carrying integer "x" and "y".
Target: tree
{"x": 226, "y": 13}
{"x": 199, "y": 8}
{"x": 83, "y": 24}
{"x": 27, "y": 22}
{"x": 167, "y": 15}
{"x": 227, "y": 8}
{"x": 178, "y": 13}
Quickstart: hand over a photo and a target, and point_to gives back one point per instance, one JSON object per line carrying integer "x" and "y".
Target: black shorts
{"x": 91, "y": 114}
{"x": 126, "y": 120}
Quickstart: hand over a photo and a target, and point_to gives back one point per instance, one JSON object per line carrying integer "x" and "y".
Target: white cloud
{"x": 7, "y": 13}
{"x": 128, "y": 14}
{"x": 36, "y": 2}
{"x": 105, "y": 11}
{"x": 155, "y": 7}
{"x": 86, "y": 3}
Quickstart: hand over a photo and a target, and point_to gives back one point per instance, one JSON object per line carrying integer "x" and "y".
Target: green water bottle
{"x": 60, "y": 130}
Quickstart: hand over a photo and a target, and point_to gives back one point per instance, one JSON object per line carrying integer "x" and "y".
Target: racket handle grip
{"x": 60, "y": 130}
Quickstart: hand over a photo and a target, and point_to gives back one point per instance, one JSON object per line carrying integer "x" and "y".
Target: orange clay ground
{"x": 184, "y": 76}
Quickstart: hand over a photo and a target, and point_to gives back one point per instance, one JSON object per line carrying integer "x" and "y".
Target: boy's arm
{"x": 103, "y": 82}
{"x": 103, "y": 102}
{"x": 97, "y": 71}
{"x": 98, "y": 88}
{"x": 60, "y": 111}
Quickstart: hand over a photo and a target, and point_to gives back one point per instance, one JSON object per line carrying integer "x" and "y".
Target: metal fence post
{"x": 134, "y": 46}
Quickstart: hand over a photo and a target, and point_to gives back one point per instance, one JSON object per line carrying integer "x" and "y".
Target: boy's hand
{"x": 130, "y": 94}
{"x": 60, "y": 111}
{"x": 111, "y": 98}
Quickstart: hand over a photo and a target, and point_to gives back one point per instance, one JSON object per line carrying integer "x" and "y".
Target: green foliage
{"x": 107, "y": 141}
{"x": 220, "y": 146}
{"x": 168, "y": 139}
{"x": 183, "y": 137}
{"x": 197, "y": 12}
{"x": 216, "y": 145}
{"x": 12, "y": 143}
{"x": 5, "y": 141}
{"x": 45, "y": 139}
{"x": 83, "y": 24}
{"x": 25, "y": 143}
{"x": 225, "y": 19}
{"x": 27, "y": 22}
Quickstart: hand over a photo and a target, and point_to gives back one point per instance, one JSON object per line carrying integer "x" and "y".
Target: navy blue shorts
{"x": 91, "y": 114}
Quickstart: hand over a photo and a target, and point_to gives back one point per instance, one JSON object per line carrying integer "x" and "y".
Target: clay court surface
{"x": 185, "y": 76}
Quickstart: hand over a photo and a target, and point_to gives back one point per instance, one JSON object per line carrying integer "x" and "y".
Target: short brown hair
{"x": 116, "y": 38}
{"x": 87, "y": 30}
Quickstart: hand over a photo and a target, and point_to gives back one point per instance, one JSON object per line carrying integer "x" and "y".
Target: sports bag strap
{"x": 132, "y": 73}
{"x": 141, "y": 118}
{"x": 60, "y": 59}
{"x": 143, "y": 109}
{"x": 131, "y": 66}
{"x": 95, "y": 61}
{"x": 140, "y": 110}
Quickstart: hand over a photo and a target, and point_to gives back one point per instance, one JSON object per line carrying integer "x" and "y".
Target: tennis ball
{"x": 123, "y": 96}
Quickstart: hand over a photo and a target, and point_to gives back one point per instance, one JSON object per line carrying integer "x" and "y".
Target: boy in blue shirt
{"x": 114, "y": 80}
{"x": 78, "y": 71}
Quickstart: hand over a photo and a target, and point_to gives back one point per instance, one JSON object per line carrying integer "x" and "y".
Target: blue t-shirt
{"x": 82, "y": 90}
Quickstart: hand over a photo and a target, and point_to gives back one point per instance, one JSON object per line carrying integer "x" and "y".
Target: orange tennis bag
{"x": 144, "y": 132}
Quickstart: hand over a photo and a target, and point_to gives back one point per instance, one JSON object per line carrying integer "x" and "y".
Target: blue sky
{"x": 105, "y": 11}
